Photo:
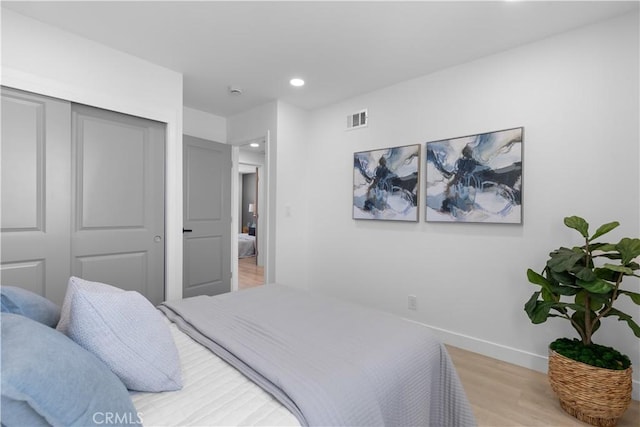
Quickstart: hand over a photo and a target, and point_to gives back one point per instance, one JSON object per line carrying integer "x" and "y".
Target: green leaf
{"x": 537, "y": 279}
{"x": 629, "y": 249}
{"x": 572, "y": 306}
{"x": 538, "y": 311}
{"x": 604, "y": 247}
{"x": 619, "y": 269}
{"x": 626, "y": 318}
{"x": 579, "y": 224}
{"x": 563, "y": 277}
{"x": 549, "y": 287}
{"x": 635, "y": 297}
{"x": 597, "y": 286}
{"x": 564, "y": 259}
{"x": 604, "y": 229}
{"x": 585, "y": 273}
{"x": 606, "y": 274}
{"x": 596, "y": 302}
{"x": 556, "y": 315}
{"x": 564, "y": 290}
{"x": 549, "y": 296}
{"x": 530, "y": 305}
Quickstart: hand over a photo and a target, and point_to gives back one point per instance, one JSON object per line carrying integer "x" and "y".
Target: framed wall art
{"x": 476, "y": 178}
{"x": 386, "y": 183}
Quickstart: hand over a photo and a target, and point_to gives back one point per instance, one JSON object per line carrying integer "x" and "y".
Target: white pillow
{"x": 125, "y": 331}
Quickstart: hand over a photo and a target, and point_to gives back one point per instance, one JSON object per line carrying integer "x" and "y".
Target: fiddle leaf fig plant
{"x": 582, "y": 283}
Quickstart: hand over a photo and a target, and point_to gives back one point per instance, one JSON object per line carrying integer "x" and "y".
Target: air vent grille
{"x": 357, "y": 120}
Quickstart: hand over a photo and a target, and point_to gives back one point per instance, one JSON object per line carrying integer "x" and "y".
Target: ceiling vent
{"x": 357, "y": 120}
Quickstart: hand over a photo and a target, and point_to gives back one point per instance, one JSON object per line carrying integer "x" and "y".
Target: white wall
{"x": 252, "y": 124}
{"x": 204, "y": 125}
{"x": 40, "y": 58}
{"x": 292, "y": 216}
{"x": 285, "y": 174}
{"x": 577, "y": 96}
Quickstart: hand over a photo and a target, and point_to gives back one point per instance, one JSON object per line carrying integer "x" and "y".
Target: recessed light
{"x": 296, "y": 82}
{"x": 254, "y": 145}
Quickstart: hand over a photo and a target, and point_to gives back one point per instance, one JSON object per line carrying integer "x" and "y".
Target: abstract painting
{"x": 385, "y": 183}
{"x": 475, "y": 178}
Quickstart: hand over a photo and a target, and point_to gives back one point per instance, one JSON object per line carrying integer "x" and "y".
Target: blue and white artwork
{"x": 475, "y": 178}
{"x": 385, "y": 183}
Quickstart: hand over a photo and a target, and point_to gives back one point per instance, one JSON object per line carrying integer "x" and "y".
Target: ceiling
{"x": 341, "y": 49}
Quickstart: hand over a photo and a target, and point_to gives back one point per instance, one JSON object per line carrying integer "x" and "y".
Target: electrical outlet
{"x": 413, "y": 302}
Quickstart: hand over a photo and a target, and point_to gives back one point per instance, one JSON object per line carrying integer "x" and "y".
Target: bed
{"x": 246, "y": 245}
{"x": 271, "y": 355}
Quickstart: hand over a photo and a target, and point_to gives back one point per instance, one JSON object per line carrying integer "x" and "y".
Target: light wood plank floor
{"x": 503, "y": 394}
{"x": 249, "y": 273}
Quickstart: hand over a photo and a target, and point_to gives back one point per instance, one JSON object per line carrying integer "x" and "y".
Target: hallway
{"x": 249, "y": 274}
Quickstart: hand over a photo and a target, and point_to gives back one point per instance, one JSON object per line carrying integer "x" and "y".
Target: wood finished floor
{"x": 503, "y": 394}
{"x": 249, "y": 273}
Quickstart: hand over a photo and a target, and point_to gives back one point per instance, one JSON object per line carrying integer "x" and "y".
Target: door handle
{"x": 187, "y": 230}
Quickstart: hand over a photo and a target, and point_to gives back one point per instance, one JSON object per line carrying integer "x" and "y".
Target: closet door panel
{"x": 23, "y": 136}
{"x": 110, "y": 160}
{"x": 35, "y": 193}
{"x": 29, "y": 275}
{"x": 130, "y": 275}
{"x": 118, "y": 194}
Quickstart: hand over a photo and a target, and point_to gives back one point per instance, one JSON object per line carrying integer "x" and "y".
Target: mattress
{"x": 330, "y": 362}
{"x": 246, "y": 245}
{"x": 214, "y": 394}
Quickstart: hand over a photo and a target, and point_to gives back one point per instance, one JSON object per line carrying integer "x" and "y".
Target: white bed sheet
{"x": 246, "y": 245}
{"x": 214, "y": 394}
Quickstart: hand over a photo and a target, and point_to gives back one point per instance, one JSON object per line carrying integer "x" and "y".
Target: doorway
{"x": 251, "y": 211}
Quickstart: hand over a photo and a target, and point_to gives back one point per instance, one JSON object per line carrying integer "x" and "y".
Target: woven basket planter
{"x": 594, "y": 395}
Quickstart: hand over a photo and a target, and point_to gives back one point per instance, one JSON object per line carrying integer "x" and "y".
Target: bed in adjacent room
{"x": 246, "y": 245}
{"x": 271, "y": 355}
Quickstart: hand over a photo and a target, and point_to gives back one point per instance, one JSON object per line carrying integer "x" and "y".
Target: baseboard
{"x": 501, "y": 352}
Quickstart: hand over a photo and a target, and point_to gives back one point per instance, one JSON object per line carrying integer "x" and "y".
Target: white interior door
{"x": 207, "y": 217}
{"x": 118, "y": 200}
{"x": 82, "y": 194}
{"x": 36, "y": 154}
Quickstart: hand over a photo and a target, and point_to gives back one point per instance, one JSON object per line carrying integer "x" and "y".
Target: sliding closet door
{"x": 117, "y": 234}
{"x": 36, "y": 153}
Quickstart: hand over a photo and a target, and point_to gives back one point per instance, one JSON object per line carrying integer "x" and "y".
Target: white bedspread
{"x": 331, "y": 363}
{"x": 214, "y": 394}
{"x": 246, "y": 245}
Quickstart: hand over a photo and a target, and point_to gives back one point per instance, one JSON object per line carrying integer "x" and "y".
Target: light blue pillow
{"x": 125, "y": 331}
{"x": 20, "y": 301}
{"x": 47, "y": 379}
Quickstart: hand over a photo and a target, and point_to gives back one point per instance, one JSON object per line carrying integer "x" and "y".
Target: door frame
{"x": 264, "y": 216}
{"x": 259, "y": 168}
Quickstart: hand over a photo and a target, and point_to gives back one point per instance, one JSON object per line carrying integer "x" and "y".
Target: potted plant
{"x": 581, "y": 285}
